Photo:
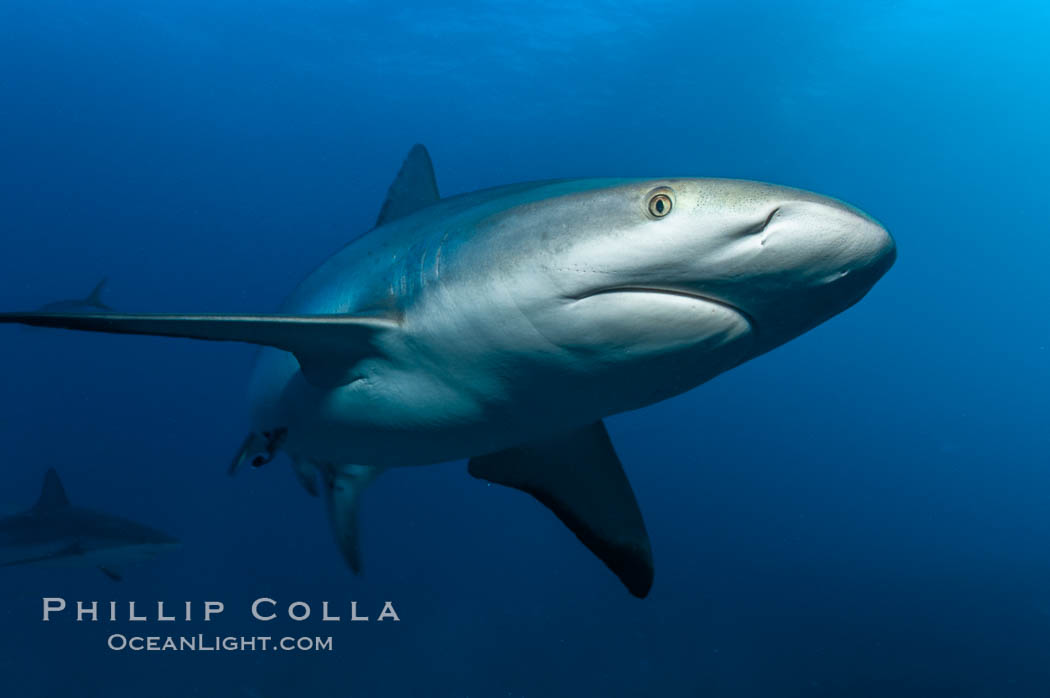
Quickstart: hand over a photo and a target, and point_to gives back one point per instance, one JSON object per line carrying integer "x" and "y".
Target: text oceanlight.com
{"x": 203, "y": 643}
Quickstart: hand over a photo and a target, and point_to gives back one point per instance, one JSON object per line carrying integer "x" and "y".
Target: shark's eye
{"x": 659, "y": 205}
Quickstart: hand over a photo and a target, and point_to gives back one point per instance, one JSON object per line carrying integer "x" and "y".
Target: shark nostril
{"x": 761, "y": 226}
{"x": 770, "y": 217}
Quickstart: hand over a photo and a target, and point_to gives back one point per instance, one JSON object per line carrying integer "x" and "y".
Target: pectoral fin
{"x": 326, "y": 346}
{"x": 579, "y": 477}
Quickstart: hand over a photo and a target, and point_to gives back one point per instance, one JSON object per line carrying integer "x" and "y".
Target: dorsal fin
{"x": 95, "y": 297}
{"x": 414, "y": 188}
{"x": 53, "y": 495}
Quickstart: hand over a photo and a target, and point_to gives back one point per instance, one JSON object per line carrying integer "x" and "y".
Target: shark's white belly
{"x": 400, "y": 418}
{"x": 490, "y": 393}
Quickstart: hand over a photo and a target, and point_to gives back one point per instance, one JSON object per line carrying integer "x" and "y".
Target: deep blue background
{"x": 863, "y": 512}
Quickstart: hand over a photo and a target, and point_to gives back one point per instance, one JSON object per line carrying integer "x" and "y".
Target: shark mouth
{"x": 693, "y": 295}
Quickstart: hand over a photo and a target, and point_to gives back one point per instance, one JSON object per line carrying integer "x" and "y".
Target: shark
{"x": 55, "y": 532}
{"x": 503, "y": 326}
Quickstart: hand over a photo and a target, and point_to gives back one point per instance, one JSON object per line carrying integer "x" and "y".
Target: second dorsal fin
{"x": 414, "y": 188}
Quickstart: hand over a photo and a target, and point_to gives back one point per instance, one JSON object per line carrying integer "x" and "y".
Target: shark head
{"x": 689, "y": 277}
{"x": 123, "y": 539}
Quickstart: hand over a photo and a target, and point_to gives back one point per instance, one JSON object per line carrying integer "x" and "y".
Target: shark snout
{"x": 155, "y": 549}
{"x": 810, "y": 259}
{"x": 869, "y": 244}
{"x": 168, "y": 542}
{"x": 864, "y": 251}
{"x": 824, "y": 243}
{"x": 157, "y": 541}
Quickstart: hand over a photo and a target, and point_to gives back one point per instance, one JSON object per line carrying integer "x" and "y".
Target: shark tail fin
{"x": 342, "y": 493}
{"x": 326, "y": 346}
{"x": 95, "y": 297}
{"x": 52, "y": 494}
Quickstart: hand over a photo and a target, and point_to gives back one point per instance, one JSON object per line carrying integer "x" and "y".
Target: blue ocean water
{"x": 862, "y": 512}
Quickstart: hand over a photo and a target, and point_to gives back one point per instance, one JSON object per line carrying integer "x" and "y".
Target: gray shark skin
{"x": 54, "y": 532}
{"x": 503, "y": 326}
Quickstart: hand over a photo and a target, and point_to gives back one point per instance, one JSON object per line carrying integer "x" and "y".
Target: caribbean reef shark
{"x": 55, "y": 532}
{"x": 503, "y": 325}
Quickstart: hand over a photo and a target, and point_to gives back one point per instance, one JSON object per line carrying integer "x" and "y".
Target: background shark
{"x": 55, "y": 532}
{"x": 504, "y": 325}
